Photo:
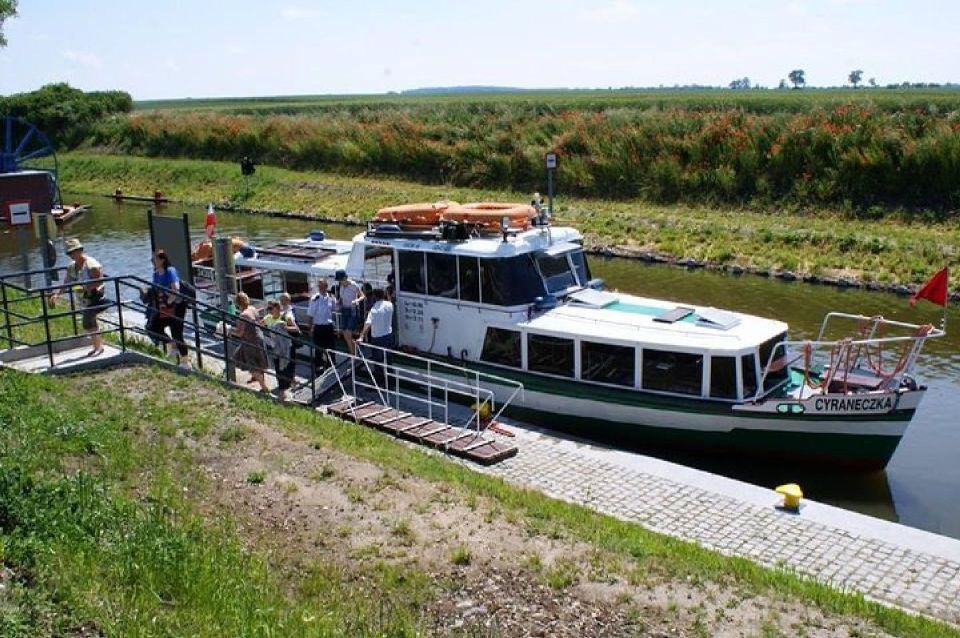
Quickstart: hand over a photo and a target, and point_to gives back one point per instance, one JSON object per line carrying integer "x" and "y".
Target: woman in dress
{"x": 250, "y": 354}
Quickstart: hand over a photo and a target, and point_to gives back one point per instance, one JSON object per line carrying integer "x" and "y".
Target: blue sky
{"x": 212, "y": 48}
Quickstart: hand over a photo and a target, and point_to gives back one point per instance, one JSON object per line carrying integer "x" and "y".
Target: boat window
{"x": 723, "y": 377}
{"x": 442, "y": 275}
{"x": 377, "y": 265}
{"x": 296, "y": 283}
{"x": 679, "y": 372}
{"x": 469, "y": 278}
{"x": 556, "y": 272}
{"x": 552, "y": 355}
{"x": 501, "y": 346}
{"x": 778, "y": 372}
{"x": 580, "y": 266}
{"x": 412, "y": 275}
{"x": 509, "y": 282}
{"x": 607, "y": 363}
{"x": 749, "y": 364}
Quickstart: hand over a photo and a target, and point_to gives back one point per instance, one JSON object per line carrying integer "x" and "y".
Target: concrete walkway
{"x": 887, "y": 562}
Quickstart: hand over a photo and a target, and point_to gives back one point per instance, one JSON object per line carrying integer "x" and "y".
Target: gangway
{"x": 421, "y": 399}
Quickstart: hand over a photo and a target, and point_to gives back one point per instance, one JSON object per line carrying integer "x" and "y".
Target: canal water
{"x": 919, "y": 486}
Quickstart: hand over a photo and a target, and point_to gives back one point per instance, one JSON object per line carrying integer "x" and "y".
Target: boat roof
{"x": 320, "y": 258}
{"x": 628, "y": 319}
{"x": 552, "y": 238}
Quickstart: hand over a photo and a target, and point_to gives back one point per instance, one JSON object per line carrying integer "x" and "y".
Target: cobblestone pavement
{"x": 880, "y": 569}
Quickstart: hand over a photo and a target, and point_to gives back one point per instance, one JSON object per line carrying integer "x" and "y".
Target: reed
{"x": 896, "y": 149}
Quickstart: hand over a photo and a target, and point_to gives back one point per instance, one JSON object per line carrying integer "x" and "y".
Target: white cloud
{"x": 293, "y": 12}
{"x": 86, "y": 59}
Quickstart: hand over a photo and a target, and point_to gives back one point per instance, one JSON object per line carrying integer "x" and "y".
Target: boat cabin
{"x": 525, "y": 302}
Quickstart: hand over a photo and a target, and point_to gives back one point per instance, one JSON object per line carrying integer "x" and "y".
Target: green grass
{"x": 97, "y": 527}
{"x": 821, "y": 242}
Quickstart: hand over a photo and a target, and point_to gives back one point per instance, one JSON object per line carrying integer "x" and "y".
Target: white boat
{"x": 517, "y": 300}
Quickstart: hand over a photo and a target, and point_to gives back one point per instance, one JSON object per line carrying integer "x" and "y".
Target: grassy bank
{"x": 818, "y": 148}
{"x": 140, "y": 502}
{"x": 822, "y": 243}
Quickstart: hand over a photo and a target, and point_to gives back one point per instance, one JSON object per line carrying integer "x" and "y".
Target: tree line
{"x": 63, "y": 113}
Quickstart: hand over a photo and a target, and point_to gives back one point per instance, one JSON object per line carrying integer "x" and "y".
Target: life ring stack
{"x": 423, "y": 215}
{"x": 489, "y": 216}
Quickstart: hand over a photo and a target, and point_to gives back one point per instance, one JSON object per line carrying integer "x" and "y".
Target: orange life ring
{"x": 204, "y": 249}
{"x": 489, "y": 214}
{"x": 424, "y": 214}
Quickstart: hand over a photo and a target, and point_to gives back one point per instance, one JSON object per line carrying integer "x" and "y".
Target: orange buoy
{"x": 423, "y": 214}
{"x": 490, "y": 214}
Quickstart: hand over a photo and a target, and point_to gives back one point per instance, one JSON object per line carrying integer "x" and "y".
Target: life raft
{"x": 424, "y": 214}
{"x": 490, "y": 214}
{"x": 204, "y": 250}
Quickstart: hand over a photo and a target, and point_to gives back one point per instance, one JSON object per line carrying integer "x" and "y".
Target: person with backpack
{"x": 171, "y": 305}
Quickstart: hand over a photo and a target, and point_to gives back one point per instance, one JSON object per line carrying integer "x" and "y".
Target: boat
{"x": 64, "y": 213}
{"x": 264, "y": 272}
{"x": 517, "y": 300}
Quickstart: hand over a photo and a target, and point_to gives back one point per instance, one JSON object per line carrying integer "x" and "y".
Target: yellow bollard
{"x": 792, "y": 494}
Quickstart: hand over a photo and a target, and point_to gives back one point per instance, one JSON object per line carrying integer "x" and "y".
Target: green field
{"x": 867, "y": 149}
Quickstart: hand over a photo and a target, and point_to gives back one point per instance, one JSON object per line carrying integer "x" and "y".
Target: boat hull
{"x": 646, "y": 421}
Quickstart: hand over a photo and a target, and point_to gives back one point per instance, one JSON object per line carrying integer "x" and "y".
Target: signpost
{"x": 19, "y": 215}
{"x": 550, "y": 159}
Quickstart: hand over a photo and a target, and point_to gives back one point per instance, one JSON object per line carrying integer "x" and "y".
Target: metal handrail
{"x": 918, "y": 340}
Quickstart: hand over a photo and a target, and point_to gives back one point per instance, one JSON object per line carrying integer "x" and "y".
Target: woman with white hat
{"x": 87, "y": 272}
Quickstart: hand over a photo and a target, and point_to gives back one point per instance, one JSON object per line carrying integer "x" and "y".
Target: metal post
{"x": 192, "y": 282}
{"x": 6, "y": 314}
{"x": 44, "y": 236}
{"x": 550, "y": 191}
{"x": 46, "y": 327}
{"x": 223, "y": 268}
{"x": 24, "y": 256}
{"x": 123, "y": 336}
{"x": 229, "y": 370}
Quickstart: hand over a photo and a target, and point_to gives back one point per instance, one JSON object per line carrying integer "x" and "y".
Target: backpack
{"x": 188, "y": 290}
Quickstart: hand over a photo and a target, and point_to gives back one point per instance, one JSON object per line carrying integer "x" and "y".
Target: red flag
{"x": 934, "y": 290}
{"x": 210, "y": 223}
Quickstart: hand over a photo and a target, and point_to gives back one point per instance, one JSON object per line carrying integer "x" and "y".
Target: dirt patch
{"x": 492, "y": 574}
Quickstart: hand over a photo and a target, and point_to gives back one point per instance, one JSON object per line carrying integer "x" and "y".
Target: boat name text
{"x": 853, "y": 404}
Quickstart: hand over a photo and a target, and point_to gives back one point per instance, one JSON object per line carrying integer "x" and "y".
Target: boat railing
{"x": 878, "y": 353}
{"x": 397, "y": 378}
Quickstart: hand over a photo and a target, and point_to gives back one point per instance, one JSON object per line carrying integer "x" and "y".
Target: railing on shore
{"x": 28, "y": 319}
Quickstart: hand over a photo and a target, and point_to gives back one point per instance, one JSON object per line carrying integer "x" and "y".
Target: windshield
{"x": 556, "y": 272}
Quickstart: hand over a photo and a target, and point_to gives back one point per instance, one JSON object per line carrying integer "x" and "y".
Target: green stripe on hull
{"x": 630, "y": 397}
{"x": 852, "y": 450}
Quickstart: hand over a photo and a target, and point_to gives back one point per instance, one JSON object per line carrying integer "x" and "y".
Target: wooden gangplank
{"x": 462, "y": 442}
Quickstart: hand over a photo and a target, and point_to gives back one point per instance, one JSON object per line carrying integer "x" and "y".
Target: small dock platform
{"x": 474, "y": 445}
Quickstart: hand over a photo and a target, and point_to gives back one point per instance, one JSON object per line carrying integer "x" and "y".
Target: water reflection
{"x": 917, "y": 486}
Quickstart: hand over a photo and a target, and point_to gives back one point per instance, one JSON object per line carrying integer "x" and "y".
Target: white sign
{"x": 551, "y": 159}
{"x": 19, "y": 213}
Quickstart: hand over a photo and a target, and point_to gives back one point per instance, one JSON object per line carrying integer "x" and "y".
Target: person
{"x": 379, "y": 322}
{"x": 365, "y": 303}
{"x": 347, "y": 297}
{"x": 250, "y": 353}
{"x": 171, "y": 306}
{"x": 87, "y": 272}
{"x": 379, "y": 326}
{"x": 320, "y": 312}
{"x": 280, "y": 327}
